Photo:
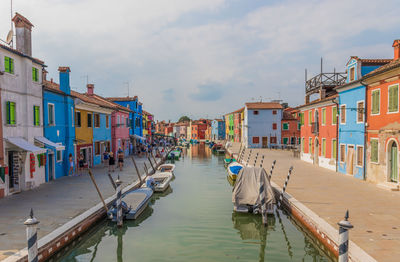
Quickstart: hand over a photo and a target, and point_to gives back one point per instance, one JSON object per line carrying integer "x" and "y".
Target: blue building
{"x": 351, "y": 145}
{"x": 217, "y": 129}
{"x": 58, "y": 124}
{"x": 262, "y": 124}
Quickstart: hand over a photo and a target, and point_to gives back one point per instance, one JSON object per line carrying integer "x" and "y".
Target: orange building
{"x": 290, "y": 127}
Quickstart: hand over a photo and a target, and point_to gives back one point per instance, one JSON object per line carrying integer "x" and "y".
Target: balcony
{"x": 325, "y": 81}
{"x": 315, "y": 128}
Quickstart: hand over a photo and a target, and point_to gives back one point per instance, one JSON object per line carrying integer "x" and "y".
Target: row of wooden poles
{"x": 344, "y": 225}
{"x": 31, "y": 223}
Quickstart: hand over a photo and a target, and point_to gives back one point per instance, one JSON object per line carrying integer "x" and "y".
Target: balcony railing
{"x": 315, "y": 128}
{"x": 325, "y": 80}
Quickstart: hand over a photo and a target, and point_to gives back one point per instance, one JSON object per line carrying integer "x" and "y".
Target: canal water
{"x": 194, "y": 221}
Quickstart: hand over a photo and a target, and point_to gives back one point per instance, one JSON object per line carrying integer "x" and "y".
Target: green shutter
{"x": 8, "y": 112}
{"x": 375, "y": 102}
{"x": 323, "y": 116}
{"x": 395, "y": 98}
{"x": 334, "y": 115}
{"x": 12, "y": 113}
{"x": 11, "y": 65}
{"x": 334, "y": 149}
{"x": 7, "y": 64}
{"x": 374, "y": 151}
{"x": 285, "y": 140}
{"x": 36, "y": 115}
{"x": 33, "y": 77}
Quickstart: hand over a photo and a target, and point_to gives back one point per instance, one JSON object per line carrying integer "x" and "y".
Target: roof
{"x": 237, "y": 111}
{"x": 98, "y": 100}
{"x": 384, "y": 68}
{"x": 315, "y": 102}
{"x": 127, "y": 98}
{"x": 264, "y": 105}
{"x": 19, "y": 20}
{"x": 372, "y": 61}
{"x": 52, "y": 86}
{"x": 12, "y": 50}
{"x": 146, "y": 113}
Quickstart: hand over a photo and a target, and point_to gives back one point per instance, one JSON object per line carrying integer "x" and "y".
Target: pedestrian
{"x": 81, "y": 164}
{"x": 71, "y": 165}
{"x": 111, "y": 162}
{"x": 120, "y": 159}
{"x": 105, "y": 157}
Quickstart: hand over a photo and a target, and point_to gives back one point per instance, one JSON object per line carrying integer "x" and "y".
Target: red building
{"x": 290, "y": 127}
{"x": 319, "y": 132}
{"x": 199, "y": 128}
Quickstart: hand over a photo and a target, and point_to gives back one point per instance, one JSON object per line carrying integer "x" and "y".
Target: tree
{"x": 184, "y": 119}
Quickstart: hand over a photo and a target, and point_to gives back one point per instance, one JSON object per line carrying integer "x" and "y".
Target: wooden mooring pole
{"x": 137, "y": 171}
{"x": 98, "y": 190}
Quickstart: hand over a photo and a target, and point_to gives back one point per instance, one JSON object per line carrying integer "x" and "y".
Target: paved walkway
{"x": 56, "y": 203}
{"x": 374, "y": 212}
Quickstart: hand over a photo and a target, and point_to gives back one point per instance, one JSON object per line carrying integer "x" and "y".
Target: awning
{"x": 49, "y": 143}
{"x": 139, "y": 137}
{"x": 25, "y": 145}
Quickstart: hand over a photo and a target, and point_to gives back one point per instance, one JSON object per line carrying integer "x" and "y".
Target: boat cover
{"x": 235, "y": 169}
{"x": 247, "y": 187}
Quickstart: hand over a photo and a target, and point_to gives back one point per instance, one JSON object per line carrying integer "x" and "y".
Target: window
{"x": 334, "y": 149}
{"x": 376, "y": 101}
{"x": 72, "y": 116}
{"x": 352, "y": 74}
{"x": 96, "y": 120}
{"x": 374, "y": 150}
{"x": 78, "y": 119}
{"x": 274, "y": 126}
{"x": 309, "y": 117}
{"x": 97, "y": 148}
{"x": 11, "y": 114}
{"x": 274, "y": 112}
{"x": 285, "y": 140}
{"x": 285, "y": 126}
{"x": 36, "y": 115}
{"x": 360, "y": 156}
{"x": 334, "y": 115}
{"x": 343, "y": 114}
{"x": 127, "y": 122}
{"x": 50, "y": 110}
{"x": 89, "y": 120}
{"x": 323, "y": 149}
{"x": 301, "y": 119}
{"x": 323, "y": 116}
{"x": 302, "y": 144}
{"x": 59, "y": 156}
{"x": 9, "y": 65}
{"x": 255, "y": 112}
{"x": 342, "y": 153}
{"x": 35, "y": 74}
{"x": 107, "y": 123}
{"x": 298, "y": 125}
{"x": 273, "y": 140}
{"x": 393, "y": 105}
{"x": 360, "y": 112}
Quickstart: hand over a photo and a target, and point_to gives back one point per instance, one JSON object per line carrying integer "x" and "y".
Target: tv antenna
{"x": 9, "y": 38}
{"x": 87, "y": 78}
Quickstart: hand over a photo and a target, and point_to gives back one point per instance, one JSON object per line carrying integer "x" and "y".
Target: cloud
{"x": 207, "y": 93}
{"x": 168, "y": 95}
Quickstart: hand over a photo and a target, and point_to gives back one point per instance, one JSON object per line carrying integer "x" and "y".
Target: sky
{"x": 203, "y": 58}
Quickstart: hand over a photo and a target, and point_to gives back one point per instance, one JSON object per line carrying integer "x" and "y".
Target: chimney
{"x": 396, "y": 46}
{"x": 64, "y": 79}
{"x": 23, "y": 30}
{"x": 90, "y": 89}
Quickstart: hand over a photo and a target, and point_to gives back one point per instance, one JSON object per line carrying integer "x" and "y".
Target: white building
{"x": 262, "y": 124}
{"x": 21, "y": 111}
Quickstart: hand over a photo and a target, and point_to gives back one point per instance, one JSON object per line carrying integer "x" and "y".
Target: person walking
{"x": 81, "y": 164}
{"x": 71, "y": 165}
{"x": 111, "y": 162}
{"x": 105, "y": 158}
{"x": 120, "y": 159}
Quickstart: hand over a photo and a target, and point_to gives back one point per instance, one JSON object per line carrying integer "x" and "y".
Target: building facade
{"x": 217, "y": 129}
{"x": 290, "y": 127}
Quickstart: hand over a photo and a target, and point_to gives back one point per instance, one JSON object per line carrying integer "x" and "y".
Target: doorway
{"x": 350, "y": 160}
{"x": 14, "y": 167}
{"x": 316, "y": 151}
{"x": 51, "y": 167}
{"x": 393, "y": 170}
{"x": 264, "y": 141}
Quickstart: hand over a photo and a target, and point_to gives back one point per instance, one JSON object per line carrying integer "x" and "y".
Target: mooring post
{"x": 31, "y": 235}
{"x": 248, "y": 158}
{"x": 262, "y": 200}
{"x": 262, "y": 161}
{"x": 344, "y": 227}
{"x": 151, "y": 164}
{"x": 118, "y": 182}
{"x": 146, "y": 170}
{"x": 112, "y": 181}
{"x": 155, "y": 160}
{"x": 255, "y": 160}
{"x": 272, "y": 169}
{"x": 284, "y": 186}
{"x": 137, "y": 171}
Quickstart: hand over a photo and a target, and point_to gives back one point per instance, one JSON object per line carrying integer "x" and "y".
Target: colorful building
{"x": 262, "y": 124}
{"x": 58, "y": 125}
{"x": 230, "y": 125}
{"x": 22, "y": 111}
{"x": 217, "y": 129}
{"x": 290, "y": 127}
{"x": 383, "y": 123}
{"x": 238, "y": 117}
{"x": 351, "y": 148}
{"x": 198, "y": 129}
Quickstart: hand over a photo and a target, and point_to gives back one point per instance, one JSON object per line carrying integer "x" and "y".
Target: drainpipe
{"x": 365, "y": 131}
{"x": 1, "y": 136}
{"x": 337, "y": 133}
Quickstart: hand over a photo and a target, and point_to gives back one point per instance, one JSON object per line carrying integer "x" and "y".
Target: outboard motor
{"x": 150, "y": 182}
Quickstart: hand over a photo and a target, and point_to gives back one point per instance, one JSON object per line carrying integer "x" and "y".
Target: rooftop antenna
{"x": 127, "y": 83}
{"x": 9, "y": 38}
{"x": 87, "y": 78}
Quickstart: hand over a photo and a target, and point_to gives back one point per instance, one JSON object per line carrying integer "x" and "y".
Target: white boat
{"x": 234, "y": 169}
{"x": 162, "y": 180}
{"x": 246, "y": 196}
{"x": 166, "y": 168}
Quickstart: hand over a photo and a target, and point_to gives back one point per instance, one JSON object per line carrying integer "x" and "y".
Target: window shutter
{"x": 11, "y": 65}
{"x": 12, "y": 113}
{"x": 7, "y": 64}
{"x": 8, "y": 112}
{"x": 33, "y": 77}
{"x": 374, "y": 150}
{"x": 395, "y": 98}
{"x": 334, "y": 149}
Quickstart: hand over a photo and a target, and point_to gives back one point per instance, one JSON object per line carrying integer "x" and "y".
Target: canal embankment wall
{"x": 325, "y": 232}
{"x": 71, "y": 231}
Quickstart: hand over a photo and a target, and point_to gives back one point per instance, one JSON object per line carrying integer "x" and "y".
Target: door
{"x": 14, "y": 167}
{"x": 10, "y": 170}
{"x": 102, "y": 150}
{"x": 264, "y": 141}
{"x": 89, "y": 157}
{"x": 394, "y": 176}
{"x": 51, "y": 167}
{"x": 316, "y": 152}
{"x": 350, "y": 160}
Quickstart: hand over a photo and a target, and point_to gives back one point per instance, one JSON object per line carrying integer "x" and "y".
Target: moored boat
{"x": 234, "y": 169}
{"x": 166, "y": 168}
{"x": 227, "y": 161}
{"x": 162, "y": 181}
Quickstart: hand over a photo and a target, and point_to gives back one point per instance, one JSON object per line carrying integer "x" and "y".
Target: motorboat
{"x": 234, "y": 169}
{"x": 246, "y": 195}
{"x": 166, "y": 168}
{"x": 218, "y": 149}
{"x": 174, "y": 155}
{"x": 227, "y": 161}
{"x": 162, "y": 180}
{"x": 133, "y": 203}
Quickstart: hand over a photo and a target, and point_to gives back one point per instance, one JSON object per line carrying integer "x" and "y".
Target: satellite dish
{"x": 9, "y": 36}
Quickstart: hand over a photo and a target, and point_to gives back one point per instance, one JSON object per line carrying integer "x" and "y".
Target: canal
{"x": 194, "y": 221}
